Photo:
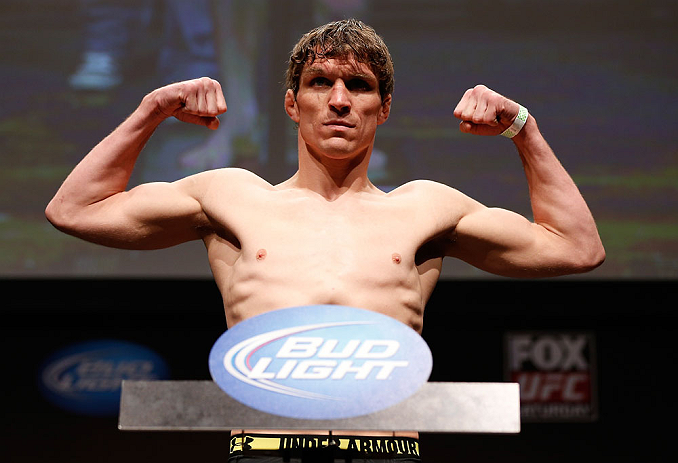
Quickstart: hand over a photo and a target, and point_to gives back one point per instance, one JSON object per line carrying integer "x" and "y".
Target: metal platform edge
{"x": 485, "y": 408}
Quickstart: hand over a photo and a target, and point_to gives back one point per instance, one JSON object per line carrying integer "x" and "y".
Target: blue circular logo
{"x": 320, "y": 362}
{"x": 85, "y": 378}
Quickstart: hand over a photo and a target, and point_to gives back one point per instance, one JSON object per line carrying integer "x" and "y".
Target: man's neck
{"x": 330, "y": 177}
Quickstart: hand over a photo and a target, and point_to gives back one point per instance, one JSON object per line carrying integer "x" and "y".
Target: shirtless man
{"x": 327, "y": 235}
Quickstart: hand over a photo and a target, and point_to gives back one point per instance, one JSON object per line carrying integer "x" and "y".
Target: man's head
{"x": 344, "y": 39}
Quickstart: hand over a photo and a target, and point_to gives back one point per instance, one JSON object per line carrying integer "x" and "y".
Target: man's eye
{"x": 320, "y": 82}
{"x": 358, "y": 84}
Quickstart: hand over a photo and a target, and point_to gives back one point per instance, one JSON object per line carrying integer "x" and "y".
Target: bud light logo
{"x": 320, "y": 362}
{"x": 86, "y": 378}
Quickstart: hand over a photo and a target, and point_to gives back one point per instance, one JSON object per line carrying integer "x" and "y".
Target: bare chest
{"x": 304, "y": 252}
{"x": 333, "y": 241}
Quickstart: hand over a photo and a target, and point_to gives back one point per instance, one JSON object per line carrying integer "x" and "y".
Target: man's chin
{"x": 338, "y": 149}
{"x": 342, "y": 154}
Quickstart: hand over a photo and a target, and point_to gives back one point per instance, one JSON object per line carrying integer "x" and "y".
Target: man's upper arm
{"x": 493, "y": 239}
{"x": 505, "y": 243}
{"x": 149, "y": 216}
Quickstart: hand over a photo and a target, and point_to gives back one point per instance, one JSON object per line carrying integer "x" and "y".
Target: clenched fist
{"x": 485, "y": 112}
{"x": 197, "y": 101}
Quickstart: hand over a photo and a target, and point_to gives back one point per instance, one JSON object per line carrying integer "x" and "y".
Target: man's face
{"x": 337, "y": 107}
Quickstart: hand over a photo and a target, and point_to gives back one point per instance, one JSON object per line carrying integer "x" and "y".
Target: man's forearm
{"x": 107, "y": 168}
{"x": 557, "y": 204}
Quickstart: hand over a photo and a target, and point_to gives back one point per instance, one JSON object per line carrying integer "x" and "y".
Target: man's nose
{"x": 340, "y": 101}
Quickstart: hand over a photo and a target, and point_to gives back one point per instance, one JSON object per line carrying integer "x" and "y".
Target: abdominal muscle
{"x": 263, "y": 291}
{"x": 255, "y": 285}
{"x": 266, "y": 277}
{"x": 408, "y": 311}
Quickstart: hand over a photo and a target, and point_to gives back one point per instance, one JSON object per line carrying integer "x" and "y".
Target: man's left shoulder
{"x": 434, "y": 199}
{"x": 424, "y": 189}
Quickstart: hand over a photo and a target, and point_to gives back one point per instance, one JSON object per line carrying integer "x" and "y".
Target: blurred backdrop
{"x": 600, "y": 76}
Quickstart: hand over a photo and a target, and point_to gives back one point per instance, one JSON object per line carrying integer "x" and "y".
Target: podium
{"x": 491, "y": 408}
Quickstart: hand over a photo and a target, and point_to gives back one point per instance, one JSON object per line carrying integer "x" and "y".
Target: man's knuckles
{"x": 203, "y": 97}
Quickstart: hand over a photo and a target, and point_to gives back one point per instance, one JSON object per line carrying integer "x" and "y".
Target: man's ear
{"x": 291, "y": 106}
{"x": 385, "y": 110}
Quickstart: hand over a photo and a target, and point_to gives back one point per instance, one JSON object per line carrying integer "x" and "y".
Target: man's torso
{"x": 275, "y": 247}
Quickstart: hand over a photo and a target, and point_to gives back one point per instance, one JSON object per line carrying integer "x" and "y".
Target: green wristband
{"x": 518, "y": 123}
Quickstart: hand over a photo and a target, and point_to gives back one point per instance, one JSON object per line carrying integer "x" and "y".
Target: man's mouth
{"x": 339, "y": 123}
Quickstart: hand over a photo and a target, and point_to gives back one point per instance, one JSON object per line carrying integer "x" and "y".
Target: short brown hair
{"x": 343, "y": 39}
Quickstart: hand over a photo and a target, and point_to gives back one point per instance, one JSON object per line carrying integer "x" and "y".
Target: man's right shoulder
{"x": 230, "y": 177}
{"x": 229, "y": 184}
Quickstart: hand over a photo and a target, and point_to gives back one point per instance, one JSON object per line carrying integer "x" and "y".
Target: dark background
{"x": 633, "y": 324}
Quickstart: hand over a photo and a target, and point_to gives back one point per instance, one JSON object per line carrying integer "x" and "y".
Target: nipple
{"x": 261, "y": 254}
{"x": 396, "y": 258}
